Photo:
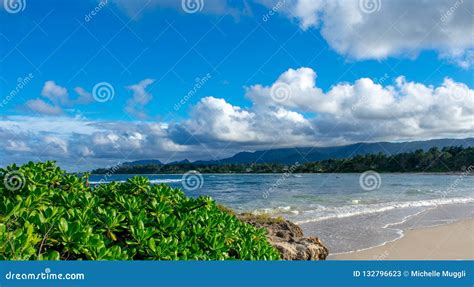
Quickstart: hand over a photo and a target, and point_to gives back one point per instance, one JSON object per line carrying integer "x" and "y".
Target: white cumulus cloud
{"x": 135, "y": 105}
{"x": 361, "y": 111}
{"x": 377, "y": 29}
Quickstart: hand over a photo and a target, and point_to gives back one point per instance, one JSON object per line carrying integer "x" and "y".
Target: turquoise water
{"x": 346, "y": 213}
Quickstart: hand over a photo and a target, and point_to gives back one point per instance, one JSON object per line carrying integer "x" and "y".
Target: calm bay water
{"x": 335, "y": 207}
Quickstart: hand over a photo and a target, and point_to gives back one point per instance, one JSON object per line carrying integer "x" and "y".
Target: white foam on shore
{"x": 400, "y": 235}
{"x": 152, "y": 181}
{"x": 324, "y": 213}
{"x": 276, "y": 210}
{"x": 155, "y": 181}
{"x": 400, "y": 232}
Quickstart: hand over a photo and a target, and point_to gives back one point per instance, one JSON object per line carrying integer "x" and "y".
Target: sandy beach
{"x": 445, "y": 242}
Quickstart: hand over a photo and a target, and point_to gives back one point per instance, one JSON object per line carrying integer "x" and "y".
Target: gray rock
{"x": 288, "y": 238}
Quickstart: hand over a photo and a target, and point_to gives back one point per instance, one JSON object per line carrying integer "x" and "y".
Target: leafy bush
{"x": 48, "y": 214}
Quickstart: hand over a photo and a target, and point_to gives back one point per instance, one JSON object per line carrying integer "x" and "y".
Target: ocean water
{"x": 346, "y": 211}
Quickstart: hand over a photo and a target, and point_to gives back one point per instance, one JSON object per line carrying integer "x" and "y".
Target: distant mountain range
{"x": 311, "y": 154}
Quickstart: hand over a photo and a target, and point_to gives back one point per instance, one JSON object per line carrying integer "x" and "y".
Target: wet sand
{"x": 445, "y": 242}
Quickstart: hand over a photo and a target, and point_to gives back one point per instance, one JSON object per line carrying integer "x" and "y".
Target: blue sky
{"x": 154, "y": 52}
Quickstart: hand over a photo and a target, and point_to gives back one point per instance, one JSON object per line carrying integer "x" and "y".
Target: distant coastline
{"x": 448, "y": 160}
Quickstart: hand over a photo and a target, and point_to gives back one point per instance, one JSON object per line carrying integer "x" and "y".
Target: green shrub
{"x": 48, "y": 214}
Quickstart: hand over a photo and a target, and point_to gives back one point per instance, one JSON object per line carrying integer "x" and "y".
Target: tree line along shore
{"x": 447, "y": 159}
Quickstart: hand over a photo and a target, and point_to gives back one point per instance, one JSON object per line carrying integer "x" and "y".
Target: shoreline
{"x": 451, "y": 241}
{"x": 270, "y": 173}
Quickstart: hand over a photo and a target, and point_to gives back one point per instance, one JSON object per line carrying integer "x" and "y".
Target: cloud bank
{"x": 292, "y": 111}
